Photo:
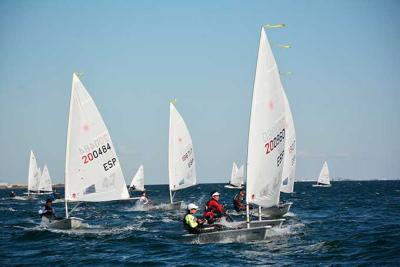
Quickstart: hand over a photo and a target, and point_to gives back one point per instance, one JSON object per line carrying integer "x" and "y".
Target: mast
{"x": 248, "y": 137}
{"x": 67, "y": 150}
{"x": 170, "y": 196}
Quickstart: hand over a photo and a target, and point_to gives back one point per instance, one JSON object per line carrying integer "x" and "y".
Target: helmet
{"x": 192, "y": 206}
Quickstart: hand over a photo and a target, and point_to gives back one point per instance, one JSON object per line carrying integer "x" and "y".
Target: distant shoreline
{"x": 24, "y": 186}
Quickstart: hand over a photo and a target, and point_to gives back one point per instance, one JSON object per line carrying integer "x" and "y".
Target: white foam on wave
{"x": 21, "y": 198}
{"x": 290, "y": 214}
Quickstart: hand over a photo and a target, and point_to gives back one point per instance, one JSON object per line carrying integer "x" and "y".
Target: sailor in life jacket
{"x": 47, "y": 211}
{"x": 143, "y": 200}
{"x": 238, "y": 201}
{"x": 214, "y": 209}
{"x": 192, "y": 224}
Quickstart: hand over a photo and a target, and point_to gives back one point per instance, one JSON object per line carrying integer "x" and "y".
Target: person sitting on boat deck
{"x": 143, "y": 200}
{"x": 238, "y": 201}
{"x": 197, "y": 225}
{"x": 48, "y": 211}
{"x": 12, "y": 194}
{"x": 132, "y": 188}
{"x": 214, "y": 209}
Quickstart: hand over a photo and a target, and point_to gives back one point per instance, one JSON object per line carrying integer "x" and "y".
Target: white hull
{"x": 229, "y": 236}
{"x": 37, "y": 194}
{"x": 255, "y": 224}
{"x": 321, "y": 185}
{"x": 273, "y": 212}
{"x": 173, "y": 206}
{"x": 233, "y": 187}
{"x": 63, "y": 224}
{"x": 277, "y": 211}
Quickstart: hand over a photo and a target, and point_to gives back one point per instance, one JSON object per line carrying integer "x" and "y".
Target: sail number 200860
{"x": 95, "y": 153}
{"x": 273, "y": 143}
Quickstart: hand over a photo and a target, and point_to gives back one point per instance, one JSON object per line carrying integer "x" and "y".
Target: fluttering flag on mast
{"x": 283, "y": 46}
{"x": 271, "y": 26}
{"x": 285, "y": 72}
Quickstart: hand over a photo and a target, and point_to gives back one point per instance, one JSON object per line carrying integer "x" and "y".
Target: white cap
{"x": 192, "y": 206}
{"x": 215, "y": 194}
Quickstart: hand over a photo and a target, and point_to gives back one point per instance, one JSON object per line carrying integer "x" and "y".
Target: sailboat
{"x": 266, "y": 148}
{"x": 267, "y": 135}
{"x": 181, "y": 159}
{"x": 237, "y": 175}
{"x": 45, "y": 185}
{"x": 137, "y": 183}
{"x": 92, "y": 169}
{"x": 33, "y": 175}
{"x": 323, "y": 179}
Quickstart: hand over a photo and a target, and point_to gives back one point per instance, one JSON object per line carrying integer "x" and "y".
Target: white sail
{"x": 233, "y": 180}
{"x": 240, "y": 174}
{"x": 138, "y": 179}
{"x": 181, "y": 160}
{"x": 45, "y": 181}
{"x": 289, "y": 162}
{"x": 324, "y": 175}
{"x": 267, "y": 131}
{"x": 92, "y": 169}
{"x": 237, "y": 175}
{"x": 33, "y": 174}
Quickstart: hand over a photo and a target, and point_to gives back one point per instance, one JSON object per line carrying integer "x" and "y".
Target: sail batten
{"x": 92, "y": 169}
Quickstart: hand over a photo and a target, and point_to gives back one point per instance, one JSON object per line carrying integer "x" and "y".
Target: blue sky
{"x": 137, "y": 55}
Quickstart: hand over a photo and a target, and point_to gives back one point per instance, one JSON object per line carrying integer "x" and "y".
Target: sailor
{"x": 214, "y": 210}
{"x": 238, "y": 201}
{"x": 48, "y": 211}
{"x": 12, "y": 194}
{"x": 197, "y": 225}
{"x": 143, "y": 200}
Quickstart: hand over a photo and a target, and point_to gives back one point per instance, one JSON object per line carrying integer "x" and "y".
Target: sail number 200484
{"x": 96, "y": 153}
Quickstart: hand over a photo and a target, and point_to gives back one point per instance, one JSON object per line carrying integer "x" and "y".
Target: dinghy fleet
{"x": 93, "y": 172}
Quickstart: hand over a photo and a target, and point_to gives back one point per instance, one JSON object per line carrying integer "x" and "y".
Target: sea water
{"x": 350, "y": 223}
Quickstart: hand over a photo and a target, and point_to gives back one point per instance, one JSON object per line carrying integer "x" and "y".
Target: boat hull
{"x": 277, "y": 211}
{"x": 233, "y": 187}
{"x": 229, "y": 236}
{"x": 64, "y": 224}
{"x": 255, "y": 224}
{"x": 173, "y": 206}
{"x": 321, "y": 185}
